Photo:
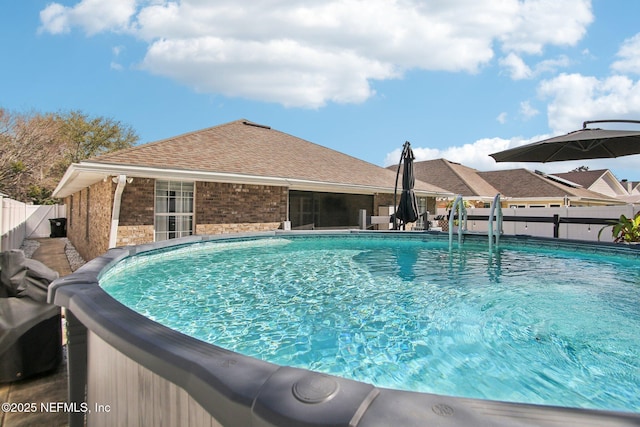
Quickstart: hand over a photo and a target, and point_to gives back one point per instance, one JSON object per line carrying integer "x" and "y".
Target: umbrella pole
{"x": 395, "y": 190}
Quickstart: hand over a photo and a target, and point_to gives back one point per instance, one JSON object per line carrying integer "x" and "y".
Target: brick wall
{"x": 222, "y": 203}
{"x": 236, "y": 228}
{"x": 136, "y": 206}
{"x": 89, "y": 219}
{"x": 382, "y": 199}
{"x": 135, "y": 235}
{"x": 136, "y": 223}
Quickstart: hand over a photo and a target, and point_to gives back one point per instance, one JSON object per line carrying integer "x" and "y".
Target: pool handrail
{"x": 495, "y": 211}
{"x": 458, "y": 205}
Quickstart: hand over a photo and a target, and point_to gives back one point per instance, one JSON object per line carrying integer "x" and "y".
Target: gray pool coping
{"x": 243, "y": 391}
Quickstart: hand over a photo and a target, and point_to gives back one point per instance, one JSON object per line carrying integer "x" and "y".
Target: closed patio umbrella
{"x": 408, "y": 206}
{"x": 583, "y": 144}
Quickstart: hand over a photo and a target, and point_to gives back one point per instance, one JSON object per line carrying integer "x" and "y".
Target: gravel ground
{"x": 75, "y": 260}
{"x": 29, "y": 247}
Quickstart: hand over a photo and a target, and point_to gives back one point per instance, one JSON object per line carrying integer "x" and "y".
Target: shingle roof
{"x": 245, "y": 148}
{"x": 584, "y": 178}
{"x": 518, "y": 183}
{"x": 454, "y": 177}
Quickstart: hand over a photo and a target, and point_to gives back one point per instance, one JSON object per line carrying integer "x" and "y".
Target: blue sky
{"x": 459, "y": 79}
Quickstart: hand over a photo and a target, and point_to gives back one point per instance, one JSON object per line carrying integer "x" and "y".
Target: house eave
{"x": 82, "y": 175}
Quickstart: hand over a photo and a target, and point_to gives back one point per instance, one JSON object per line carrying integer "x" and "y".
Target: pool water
{"x": 524, "y": 324}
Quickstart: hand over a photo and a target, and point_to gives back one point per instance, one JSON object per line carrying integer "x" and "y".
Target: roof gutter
{"x": 97, "y": 171}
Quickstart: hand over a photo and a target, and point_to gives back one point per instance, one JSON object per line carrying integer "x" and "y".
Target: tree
{"x": 581, "y": 169}
{"x": 27, "y": 144}
{"x": 88, "y": 137}
{"x": 36, "y": 149}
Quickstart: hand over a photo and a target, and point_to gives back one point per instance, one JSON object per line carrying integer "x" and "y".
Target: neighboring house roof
{"x": 584, "y": 178}
{"x": 454, "y": 177}
{"x": 633, "y": 191}
{"x": 512, "y": 183}
{"x": 239, "y": 152}
{"x": 523, "y": 183}
{"x": 601, "y": 181}
{"x": 632, "y": 187}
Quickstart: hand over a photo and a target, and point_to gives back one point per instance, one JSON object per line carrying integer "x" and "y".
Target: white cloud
{"x": 293, "y": 74}
{"x": 55, "y": 19}
{"x": 518, "y": 70}
{"x": 93, "y": 16}
{"x": 576, "y": 98}
{"x": 551, "y": 65}
{"x": 502, "y": 118}
{"x": 475, "y": 155}
{"x": 630, "y": 56}
{"x": 527, "y": 111}
{"x": 516, "y": 67}
{"x": 539, "y": 23}
{"x": 303, "y": 53}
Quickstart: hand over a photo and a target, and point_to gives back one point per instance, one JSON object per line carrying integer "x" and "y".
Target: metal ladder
{"x": 458, "y": 205}
{"x": 494, "y": 224}
{"x": 495, "y": 212}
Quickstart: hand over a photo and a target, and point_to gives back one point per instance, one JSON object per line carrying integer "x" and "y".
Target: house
{"x": 236, "y": 177}
{"x": 535, "y": 189}
{"x": 458, "y": 179}
{"x": 601, "y": 181}
{"x": 633, "y": 191}
{"x": 518, "y": 187}
{"x": 632, "y": 187}
{"x": 604, "y": 181}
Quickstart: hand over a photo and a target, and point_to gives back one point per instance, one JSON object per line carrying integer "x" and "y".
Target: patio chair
{"x": 30, "y": 329}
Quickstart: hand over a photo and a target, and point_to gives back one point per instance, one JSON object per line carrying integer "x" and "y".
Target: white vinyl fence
{"x": 566, "y": 229}
{"x": 20, "y": 221}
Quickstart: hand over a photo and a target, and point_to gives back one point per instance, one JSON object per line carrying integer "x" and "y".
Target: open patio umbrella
{"x": 408, "y": 206}
{"x": 583, "y": 144}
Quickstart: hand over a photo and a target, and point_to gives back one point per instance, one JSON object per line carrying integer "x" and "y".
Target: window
{"x": 174, "y": 209}
{"x": 422, "y": 208}
{"x": 314, "y": 210}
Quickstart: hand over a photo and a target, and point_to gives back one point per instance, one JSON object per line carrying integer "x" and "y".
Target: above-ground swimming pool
{"x": 534, "y": 321}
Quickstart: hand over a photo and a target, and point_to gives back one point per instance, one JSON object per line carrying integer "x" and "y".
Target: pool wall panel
{"x": 151, "y": 375}
{"x": 120, "y": 391}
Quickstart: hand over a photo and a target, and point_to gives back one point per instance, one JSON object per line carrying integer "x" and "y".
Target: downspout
{"x": 115, "y": 213}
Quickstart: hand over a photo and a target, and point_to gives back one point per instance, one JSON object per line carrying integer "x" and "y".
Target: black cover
{"x": 30, "y": 329}
{"x": 408, "y": 207}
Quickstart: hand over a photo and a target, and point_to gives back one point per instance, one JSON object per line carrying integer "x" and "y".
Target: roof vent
{"x": 256, "y": 125}
{"x": 559, "y": 180}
